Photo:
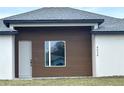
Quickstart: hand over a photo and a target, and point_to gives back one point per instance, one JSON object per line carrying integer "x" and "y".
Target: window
{"x": 54, "y": 53}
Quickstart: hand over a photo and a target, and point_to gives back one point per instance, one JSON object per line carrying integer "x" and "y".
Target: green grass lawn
{"x": 89, "y": 81}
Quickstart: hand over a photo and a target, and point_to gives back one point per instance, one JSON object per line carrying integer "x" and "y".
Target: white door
{"x": 25, "y": 56}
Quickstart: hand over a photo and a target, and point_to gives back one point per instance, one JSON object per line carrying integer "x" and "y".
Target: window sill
{"x": 54, "y": 66}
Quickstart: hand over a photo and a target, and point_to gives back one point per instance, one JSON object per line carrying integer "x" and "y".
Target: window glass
{"x": 55, "y": 53}
{"x": 47, "y": 52}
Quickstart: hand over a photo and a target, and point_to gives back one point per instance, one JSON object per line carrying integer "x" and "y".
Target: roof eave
{"x": 99, "y": 21}
{"x": 108, "y": 32}
{"x": 8, "y": 32}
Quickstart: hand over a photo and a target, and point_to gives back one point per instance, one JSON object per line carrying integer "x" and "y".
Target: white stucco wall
{"x": 6, "y": 57}
{"x": 109, "y": 55}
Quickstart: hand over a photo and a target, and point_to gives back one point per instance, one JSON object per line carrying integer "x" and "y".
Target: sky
{"x": 117, "y": 12}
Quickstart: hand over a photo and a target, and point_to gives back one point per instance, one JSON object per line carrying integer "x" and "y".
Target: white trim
{"x": 11, "y": 26}
{"x": 65, "y": 52}
{"x": 50, "y": 55}
{"x": 95, "y": 25}
{"x": 13, "y": 57}
{"x": 93, "y": 56}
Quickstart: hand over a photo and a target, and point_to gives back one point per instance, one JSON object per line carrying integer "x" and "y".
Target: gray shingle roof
{"x": 52, "y": 13}
{"x": 112, "y": 25}
{"x": 65, "y": 13}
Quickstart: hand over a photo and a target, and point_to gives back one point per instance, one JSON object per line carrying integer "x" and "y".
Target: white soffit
{"x": 95, "y": 25}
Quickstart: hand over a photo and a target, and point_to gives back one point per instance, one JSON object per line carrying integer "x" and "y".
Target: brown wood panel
{"x": 78, "y": 50}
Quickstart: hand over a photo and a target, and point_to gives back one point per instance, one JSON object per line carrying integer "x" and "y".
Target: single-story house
{"x": 61, "y": 42}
